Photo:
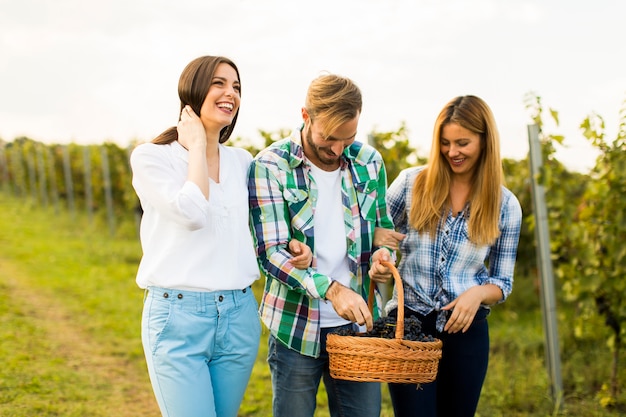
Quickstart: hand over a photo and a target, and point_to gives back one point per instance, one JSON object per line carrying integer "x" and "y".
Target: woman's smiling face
{"x": 461, "y": 148}
{"x": 223, "y": 98}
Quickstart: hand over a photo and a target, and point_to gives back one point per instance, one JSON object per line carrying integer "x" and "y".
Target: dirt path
{"x": 131, "y": 395}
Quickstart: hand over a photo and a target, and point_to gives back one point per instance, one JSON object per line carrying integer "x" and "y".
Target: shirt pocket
{"x": 300, "y": 210}
{"x": 367, "y": 197}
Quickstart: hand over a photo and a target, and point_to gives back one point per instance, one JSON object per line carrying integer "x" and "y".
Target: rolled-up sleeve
{"x": 270, "y": 223}
{"x": 163, "y": 186}
{"x": 503, "y": 253}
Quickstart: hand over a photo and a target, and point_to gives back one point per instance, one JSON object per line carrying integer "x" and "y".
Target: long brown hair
{"x": 431, "y": 191}
{"x": 193, "y": 86}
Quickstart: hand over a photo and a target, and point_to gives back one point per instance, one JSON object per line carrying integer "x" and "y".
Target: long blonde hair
{"x": 431, "y": 191}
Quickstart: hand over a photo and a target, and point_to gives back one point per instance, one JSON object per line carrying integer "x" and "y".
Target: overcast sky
{"x": 107, "y": 70}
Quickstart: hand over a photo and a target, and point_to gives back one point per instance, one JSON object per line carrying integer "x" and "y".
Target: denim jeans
{"x": 460, "y": 377}
{"x": 200, "y": 348}
{"x": 296, "y": 379}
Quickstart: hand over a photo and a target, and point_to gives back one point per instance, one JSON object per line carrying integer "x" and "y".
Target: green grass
{"x": 70, "y": 332}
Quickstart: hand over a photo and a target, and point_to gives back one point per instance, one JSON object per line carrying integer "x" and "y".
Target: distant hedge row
{"x": 93, "y": 178}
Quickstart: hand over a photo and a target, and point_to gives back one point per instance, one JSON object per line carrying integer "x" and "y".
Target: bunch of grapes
{"x": 344, "y": 332}
{"x": 385, "y": 327}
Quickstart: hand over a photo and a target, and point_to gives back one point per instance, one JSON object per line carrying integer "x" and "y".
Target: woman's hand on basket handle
{"x": 379, "y": 272}
{"x": 349, "y": 305}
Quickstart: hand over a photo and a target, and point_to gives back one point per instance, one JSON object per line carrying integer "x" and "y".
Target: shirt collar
{"x": 351, "y": 154}
{"x": 180, "y": 151}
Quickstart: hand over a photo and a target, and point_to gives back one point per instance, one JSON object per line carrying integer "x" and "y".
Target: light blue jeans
{"x": 296, "y": 379}
{"x": 200, "y": 348}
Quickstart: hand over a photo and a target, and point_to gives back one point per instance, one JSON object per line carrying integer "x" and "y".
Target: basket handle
{"x": 399, "y": 292}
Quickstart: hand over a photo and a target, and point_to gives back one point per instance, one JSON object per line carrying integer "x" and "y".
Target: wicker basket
{"x": 374, "y": 359}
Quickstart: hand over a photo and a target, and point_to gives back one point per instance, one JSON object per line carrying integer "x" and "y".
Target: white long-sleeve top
{"x": 188, "y": 242}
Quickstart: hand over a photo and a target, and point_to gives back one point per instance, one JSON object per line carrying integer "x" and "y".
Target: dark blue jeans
{"x": 296, "y": 379}
{"x": 460, "y": 377}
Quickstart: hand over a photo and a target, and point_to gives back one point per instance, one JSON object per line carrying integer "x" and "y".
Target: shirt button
{"x": 165, "y": 295}
{"x": 221, "y": 298}
{"x": 443, "y": 259}
{"x": 180, "y": 296}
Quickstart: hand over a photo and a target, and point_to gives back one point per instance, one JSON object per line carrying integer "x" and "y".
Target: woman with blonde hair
{"x": 462, "y": 229}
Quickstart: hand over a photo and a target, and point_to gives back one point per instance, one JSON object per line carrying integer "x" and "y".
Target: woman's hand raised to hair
{"x": 191, "y": 133}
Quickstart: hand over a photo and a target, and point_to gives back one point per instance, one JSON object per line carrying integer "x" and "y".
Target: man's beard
{"x": 318, "y": 152}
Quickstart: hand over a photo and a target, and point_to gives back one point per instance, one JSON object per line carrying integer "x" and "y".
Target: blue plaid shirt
{"x": 436, "y": 271}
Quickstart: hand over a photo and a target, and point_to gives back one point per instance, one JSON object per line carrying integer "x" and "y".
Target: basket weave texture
{"x": 375, "y": 359}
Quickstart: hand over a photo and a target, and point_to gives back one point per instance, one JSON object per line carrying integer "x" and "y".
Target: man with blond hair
{"x": 324, "y": 188}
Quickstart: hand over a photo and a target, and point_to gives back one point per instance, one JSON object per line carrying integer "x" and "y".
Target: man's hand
{"x": 349, "y": 305}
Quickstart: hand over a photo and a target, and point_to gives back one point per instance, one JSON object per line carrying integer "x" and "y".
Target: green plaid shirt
{"x": 282, "y": 196}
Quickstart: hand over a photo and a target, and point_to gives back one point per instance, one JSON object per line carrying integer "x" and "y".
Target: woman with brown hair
{"x": 200, "y": 327}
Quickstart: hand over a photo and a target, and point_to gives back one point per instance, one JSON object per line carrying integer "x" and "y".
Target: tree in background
{"x": 596, "y": 278}
{"x": 587, "y": 217}
{"x": 396, "y": 151}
